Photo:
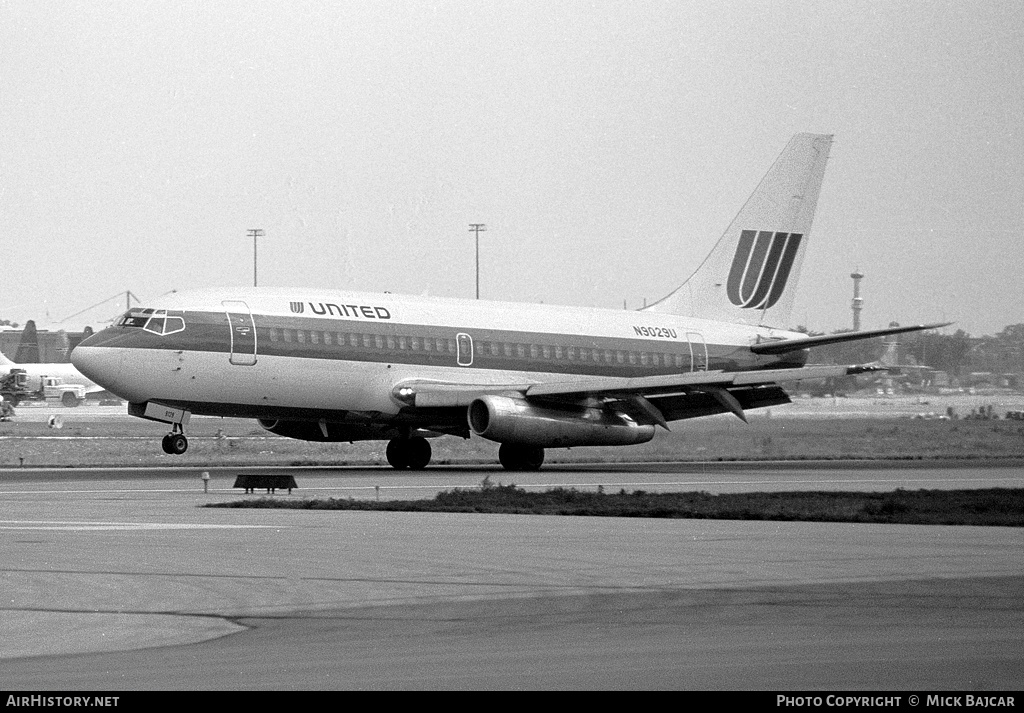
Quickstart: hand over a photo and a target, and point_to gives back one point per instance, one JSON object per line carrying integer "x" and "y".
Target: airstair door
{"x": 242, "y": 332}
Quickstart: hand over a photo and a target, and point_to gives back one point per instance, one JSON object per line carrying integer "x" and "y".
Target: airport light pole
{"x": 255, "y": 233}
{"x": 477, "y": 228}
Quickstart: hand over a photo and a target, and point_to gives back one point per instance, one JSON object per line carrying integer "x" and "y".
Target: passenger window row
{"x": 363, "y": 341}
{"x": 484, "y": 348}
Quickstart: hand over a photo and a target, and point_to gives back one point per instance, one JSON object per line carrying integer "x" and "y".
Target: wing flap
{"x": 697, "y": 403}
{"x": 675, "y": 383}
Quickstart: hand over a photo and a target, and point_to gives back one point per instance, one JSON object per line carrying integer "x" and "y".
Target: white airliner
{"x": 320, "y": 365}
{"x": 65, "y": 371}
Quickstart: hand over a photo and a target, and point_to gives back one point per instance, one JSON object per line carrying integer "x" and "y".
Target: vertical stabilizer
{"x": 750, "y": 275}
{"x": 28, "y": 347}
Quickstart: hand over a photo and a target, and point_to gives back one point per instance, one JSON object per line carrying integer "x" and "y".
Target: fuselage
{"x": 307, "y": 353}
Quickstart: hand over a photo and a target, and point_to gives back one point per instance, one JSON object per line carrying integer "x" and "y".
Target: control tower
{"x": 858, "y": 303}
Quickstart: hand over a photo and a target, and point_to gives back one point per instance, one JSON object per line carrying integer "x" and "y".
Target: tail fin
{"x": 751, "y": 274}
{"x": 28, "y": 347}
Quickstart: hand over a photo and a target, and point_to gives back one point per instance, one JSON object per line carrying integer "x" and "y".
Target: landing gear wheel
{"x": 175, "y": 443}
{"x": 419, "y": 453}
{"x": 516, "y": 457}
{"x": 179, "y": 444}
{"x": 412, "y": 453}
{"x": 398, "y": 454}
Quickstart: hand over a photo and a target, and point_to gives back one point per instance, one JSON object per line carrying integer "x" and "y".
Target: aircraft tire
{"x": 418, "y": 453}
{"x": 397, "y": 453}
{"x": 165, "y": 443}
{"x": 177, "y": 442}
{"x": 516, "y": 457}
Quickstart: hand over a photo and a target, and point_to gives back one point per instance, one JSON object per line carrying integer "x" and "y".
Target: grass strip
{"x": 993, "y": 506}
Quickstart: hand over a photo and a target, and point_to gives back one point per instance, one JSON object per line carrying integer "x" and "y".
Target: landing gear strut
{"x": 412, "y": 453}
{"x": 175, "y": 442}
{"x": 516, "y": 457}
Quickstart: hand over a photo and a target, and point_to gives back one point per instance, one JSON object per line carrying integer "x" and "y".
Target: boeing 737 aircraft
{"x": 320, "y": 365}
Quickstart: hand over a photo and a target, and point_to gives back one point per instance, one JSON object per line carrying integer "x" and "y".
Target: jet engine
{"x": 511, "y": 420}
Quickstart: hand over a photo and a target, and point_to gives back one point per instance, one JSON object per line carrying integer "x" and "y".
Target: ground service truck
{"x": 17, "y": 387}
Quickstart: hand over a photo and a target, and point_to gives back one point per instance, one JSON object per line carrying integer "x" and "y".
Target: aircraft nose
{"x": 99, "y": 364}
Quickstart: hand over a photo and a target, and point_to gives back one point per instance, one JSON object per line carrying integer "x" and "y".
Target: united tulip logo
{"x": 761, "y": 268}
{"x": 297, "y": 307}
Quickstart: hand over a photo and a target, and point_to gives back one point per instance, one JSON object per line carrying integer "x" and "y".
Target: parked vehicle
{"x": 17, "y": 387}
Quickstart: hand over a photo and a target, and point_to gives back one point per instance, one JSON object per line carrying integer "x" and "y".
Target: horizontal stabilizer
{"x": 792, "y": 345}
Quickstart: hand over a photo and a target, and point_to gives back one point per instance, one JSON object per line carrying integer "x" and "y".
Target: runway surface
{"x": 119, "y": 580}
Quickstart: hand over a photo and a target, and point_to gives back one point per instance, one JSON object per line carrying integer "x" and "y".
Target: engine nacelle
{"x": 509, "y": 420}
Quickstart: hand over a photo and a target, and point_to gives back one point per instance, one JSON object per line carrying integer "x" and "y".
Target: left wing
{"x": 650, "y": 399}
{"x": 669, "y": 397}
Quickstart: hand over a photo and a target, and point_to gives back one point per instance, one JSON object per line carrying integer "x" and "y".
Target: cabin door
{"x": 242, "y": 333}
{"x": 464, "y": 344}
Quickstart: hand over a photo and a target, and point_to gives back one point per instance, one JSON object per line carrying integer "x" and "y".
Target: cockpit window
{"x": 156, "y": 321}
{"x": 135, "y": 318}
{"x": 174, "y": 324}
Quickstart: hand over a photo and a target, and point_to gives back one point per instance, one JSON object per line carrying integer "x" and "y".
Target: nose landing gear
{"x": 175, "y": 442}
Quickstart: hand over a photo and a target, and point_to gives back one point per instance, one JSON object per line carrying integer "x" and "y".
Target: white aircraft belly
{"x": 324, "y": 384}
{"x": 289, "y": 382}
{"x": 272, "y": 381}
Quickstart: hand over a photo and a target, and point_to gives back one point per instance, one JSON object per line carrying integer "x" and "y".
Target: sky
{"x": 605, "y": 145}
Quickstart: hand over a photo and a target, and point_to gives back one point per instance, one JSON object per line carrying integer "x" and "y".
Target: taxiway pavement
{"x": 111, "y": 583}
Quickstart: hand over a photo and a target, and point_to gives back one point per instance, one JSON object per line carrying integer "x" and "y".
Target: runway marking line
{"x": 519, "y": 485}
{"x": 118, "y": 526}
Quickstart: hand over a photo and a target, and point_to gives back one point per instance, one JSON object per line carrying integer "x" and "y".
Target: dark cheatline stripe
{"x": 756, "y": 267}
{"x": 786, "y": 265}
{"x": 739, "y": 266}
{"x": 771, "y": 264}
{"x": 209, "y": 332}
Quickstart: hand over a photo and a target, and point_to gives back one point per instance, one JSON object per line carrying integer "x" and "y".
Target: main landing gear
{"x": 412, "y": 453}
{"x": 175, "y": 442}
{"x": 517, "y": 457}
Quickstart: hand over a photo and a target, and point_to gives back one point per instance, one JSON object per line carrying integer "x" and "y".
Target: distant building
{"x": 988, "y": 378}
